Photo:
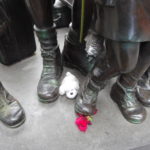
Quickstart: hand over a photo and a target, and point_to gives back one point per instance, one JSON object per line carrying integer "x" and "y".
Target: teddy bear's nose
{"x": 71, "y": 93}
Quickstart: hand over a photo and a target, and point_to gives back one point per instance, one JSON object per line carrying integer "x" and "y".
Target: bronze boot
{"x": 143, "y": 89}
{"x": 75, "y": 55}
{"x": 86, "y": 102}
{"x": 11, "y": 112}
{"x": 128, "y": 104}
{"x": 52, "y": 65}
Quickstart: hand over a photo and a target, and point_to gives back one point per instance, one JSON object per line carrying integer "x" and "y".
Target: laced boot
{"x": 143, "y": 89}
{"x": 74, "y": 53}
{"x": 11, "y": 112}
{"x": 128, "y": 104}
{"x": 86, "y": 102}
{"x": 52, "y": 65}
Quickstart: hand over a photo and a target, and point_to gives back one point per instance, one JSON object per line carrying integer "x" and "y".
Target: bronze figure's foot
{"x": 52, "y": 65}
{"x": 11, "y": 112}
{"x": 128, "y": 104}
{"x": 86, "y": 103}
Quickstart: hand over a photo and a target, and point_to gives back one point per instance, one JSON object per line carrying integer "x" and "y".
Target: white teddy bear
{"x": 69, "y": 86}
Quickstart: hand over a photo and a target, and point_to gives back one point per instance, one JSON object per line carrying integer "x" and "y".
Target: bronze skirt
{"x": 124, "y": 20}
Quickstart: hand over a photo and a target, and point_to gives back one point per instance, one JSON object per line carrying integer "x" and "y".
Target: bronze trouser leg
{"x": 41, "y": 12}
{"x": 81, "y": 16}
{"x": 130, "y": 79}
{"x": 121, "y": 57}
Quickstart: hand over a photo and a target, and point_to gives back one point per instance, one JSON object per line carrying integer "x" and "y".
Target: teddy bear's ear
{"x": 61, "y": 90}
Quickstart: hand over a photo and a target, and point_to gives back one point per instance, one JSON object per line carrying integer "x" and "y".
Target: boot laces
{"x": 48, "y": 71}
{"x": 49, "y": 57}
{"x": 129, "y": 95}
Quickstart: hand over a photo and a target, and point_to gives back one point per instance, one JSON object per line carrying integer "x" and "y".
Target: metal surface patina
{"x": 125, "y": 27}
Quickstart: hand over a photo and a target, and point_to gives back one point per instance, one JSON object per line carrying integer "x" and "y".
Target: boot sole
{"x": 46, "y": 101}
{"x": 17, "y": 125}
{"x": 112, "y": 95}
{"x": 79, "y": 112}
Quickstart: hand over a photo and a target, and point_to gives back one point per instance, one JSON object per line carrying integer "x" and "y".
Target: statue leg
{"x": 74, "y": 53}
{"x": 111, "y": 65}
{"x": 131, "y": 79}
{"x": 124, "y": 89}
{"x": 41, "y": 12}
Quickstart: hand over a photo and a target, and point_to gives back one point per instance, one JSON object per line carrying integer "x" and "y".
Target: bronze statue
{"x": 125, "y": 26}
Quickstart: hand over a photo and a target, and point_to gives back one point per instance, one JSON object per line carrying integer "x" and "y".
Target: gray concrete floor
{"x": 51, "y": 126}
